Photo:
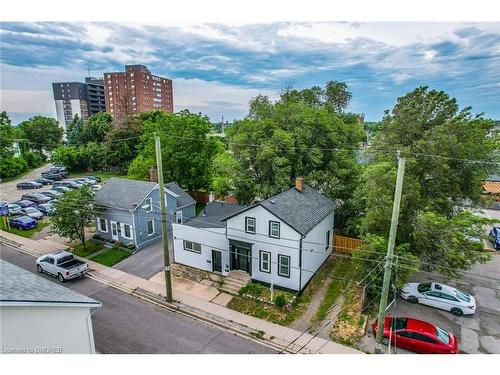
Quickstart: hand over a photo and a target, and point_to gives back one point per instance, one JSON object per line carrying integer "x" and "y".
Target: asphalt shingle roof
{"x": 300, "y": 210}
{"x": 19, "y": 285}
{"x": 212, "y": 215}
{"x": 123, "y": 193}
{"x": 184, "y": 198}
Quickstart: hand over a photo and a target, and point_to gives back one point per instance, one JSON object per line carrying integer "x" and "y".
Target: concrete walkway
{"x": 274, "y": 333}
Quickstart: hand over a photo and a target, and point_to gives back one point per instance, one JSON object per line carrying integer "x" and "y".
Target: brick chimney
{"x": 299, "y": 184}
{"x": 153, "y": 175}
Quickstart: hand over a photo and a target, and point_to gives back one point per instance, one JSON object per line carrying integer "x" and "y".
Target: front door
{"x": 114, "y": 230}
{"x": 240, "y": 259}
{"x": 216, "y": 261}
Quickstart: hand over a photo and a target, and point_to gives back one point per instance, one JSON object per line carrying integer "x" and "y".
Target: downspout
{"x": 136, "y": 231}
{"x": 90, "y": 331}
{"x": 300, "y": 262}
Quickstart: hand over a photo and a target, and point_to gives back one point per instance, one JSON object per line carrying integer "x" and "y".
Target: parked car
{"x": 85, "y": 181}
{"x": 68, "y": 184}
{"x": 495, "y": 237}
{"x": 32, "y": 212}
{"x": 37, "y": 198}
{"x": 96, "y": 187}
{"x": 14, "y": 209}
{"x": 52, "y": 176}
{"x": 417, "y": 336}
{"x": 23, "y": 222}
{"x": 95, "y": 178}
{"x": 441, "y": 296}
{"x": 54, "y": 194}
{"x": 25, "y": 203}
{"x": 61, "y": 189}
{"x": 46, "y": 208}
{"x": 29, "y": 185}
{"x": 61, "y": 264}
{"x": 59, "y": 170}
{"x": 44, "y": 181}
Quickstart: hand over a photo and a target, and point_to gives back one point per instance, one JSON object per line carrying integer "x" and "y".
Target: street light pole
{"x": 163, "y": 209}
{"x": 390, "y": 254}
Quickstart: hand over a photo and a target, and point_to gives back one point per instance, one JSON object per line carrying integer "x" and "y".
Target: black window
{"x": 327, "y": 240}
{"x": 151, "y": 227}
{"x": 126, "y": 231}
{"x": 265, "y": 261}
{"x": 425, "y": 287}
{"x": 192, "y": 246}
{"x": 424, "y": 338}
{"x": 250, "y": 225}
{"x": 398, "y": 323}
{"x": 448, "y": 297}
{"x": 433, "y": 294}
{"x": 406, "y": 334}
{"x": 274, "y": 229}
{"x": 283, "y": 265}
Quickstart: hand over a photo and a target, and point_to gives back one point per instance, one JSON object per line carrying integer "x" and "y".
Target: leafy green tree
{"x": 97, "y": 127}
{"x": 337, "y": 96}
{"x": 6, "y": 135}
{"x": 224, "y": 168}
{"x": 74, "y": 131}
{"x": 438, "y": 140}
{"x": 44, "y": 133}
{"x": 69, "y": 220}
{"x": 299, "y": 135}
{"x": 187, "y": 148}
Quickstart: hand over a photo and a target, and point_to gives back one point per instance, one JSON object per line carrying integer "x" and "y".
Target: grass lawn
{"x": 262, "y": 310}
{"x": 342, "y": 268}
{"x": 199, "y": 207}
{"x": 92, "y": 247}
{"x": 105, "y": 176}
{"x": 111, "y": 256}
{"x": 27, "y": 233}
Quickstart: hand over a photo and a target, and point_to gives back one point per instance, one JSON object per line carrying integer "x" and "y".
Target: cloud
{"x": 212, "y": 60}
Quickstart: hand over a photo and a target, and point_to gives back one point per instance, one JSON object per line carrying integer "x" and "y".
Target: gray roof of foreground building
{"x": 21, "y": 287}
{"x": 300, "y": 210}
{"x": 212, "y": 215}
{"x": 123, "y": 193}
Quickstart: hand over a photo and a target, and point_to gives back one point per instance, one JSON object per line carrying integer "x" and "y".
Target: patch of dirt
{"x": 350, "y": 325}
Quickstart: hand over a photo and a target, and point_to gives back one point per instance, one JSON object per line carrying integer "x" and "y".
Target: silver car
{"x": 32, "y": 212}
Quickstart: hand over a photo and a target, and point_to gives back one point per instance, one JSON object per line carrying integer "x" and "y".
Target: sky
{"x": 217, "y": 68}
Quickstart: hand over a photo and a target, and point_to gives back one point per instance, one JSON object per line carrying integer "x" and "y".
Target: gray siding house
{"x": 130, "y": 210}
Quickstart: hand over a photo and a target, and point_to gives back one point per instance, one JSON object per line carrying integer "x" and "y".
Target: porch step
{"x": 234, "y": 281}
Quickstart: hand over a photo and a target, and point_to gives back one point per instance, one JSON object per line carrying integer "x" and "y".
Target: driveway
{"x": 8, "y": 190}
{"x": 479, "y": 333}
{"x": 145, "y": 263}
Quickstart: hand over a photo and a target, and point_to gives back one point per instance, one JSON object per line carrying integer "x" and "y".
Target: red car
{"x": 418, "y": 336}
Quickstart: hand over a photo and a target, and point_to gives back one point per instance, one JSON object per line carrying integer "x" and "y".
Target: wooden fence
{"x": 345, "y": 245}
{"x": 203, "y": 196}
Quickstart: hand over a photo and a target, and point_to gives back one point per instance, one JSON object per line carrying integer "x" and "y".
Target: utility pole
{"x": 390, "y": 254}
{"x": 163, "y": 208}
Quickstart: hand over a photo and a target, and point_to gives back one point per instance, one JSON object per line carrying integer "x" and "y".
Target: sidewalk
{"x": 274, "y": 333}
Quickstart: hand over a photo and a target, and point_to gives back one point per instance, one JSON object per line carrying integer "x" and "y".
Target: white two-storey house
{"x": 282, "y": 240}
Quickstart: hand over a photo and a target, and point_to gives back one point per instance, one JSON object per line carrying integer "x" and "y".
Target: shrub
{"x": 12, "y": 166}
{"x": 280, "y": 301}
{"x": 253, "y": 289}
{"x": 34, "y": 159}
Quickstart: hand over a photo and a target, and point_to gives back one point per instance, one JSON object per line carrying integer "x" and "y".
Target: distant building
{"x": 77, "y": 98}
{"x": 40, "y": 316}
{"x": 137, "y": 90}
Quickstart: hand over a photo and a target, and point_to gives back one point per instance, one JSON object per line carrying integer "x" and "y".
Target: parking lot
{"x": 9, "y": 191}
{"x": 479, "y": 333}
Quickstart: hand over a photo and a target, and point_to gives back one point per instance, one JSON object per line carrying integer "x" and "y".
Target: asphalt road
{"x": 127, "y": 325}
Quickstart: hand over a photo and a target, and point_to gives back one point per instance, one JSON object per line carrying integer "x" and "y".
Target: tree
{"x": 74, "y": 131}
{"x": 72, "y": 213}
{"x": 438, "y": 140}
{"x": 336, "y": 96}
{"x": 97, "y": 127}
{"x": 299, "y": 135}
{"x": 43, "y": 132}
{"x": 224, "y": 167}
{"x": 187, "y": 148}
{"x": 6, "y": 135}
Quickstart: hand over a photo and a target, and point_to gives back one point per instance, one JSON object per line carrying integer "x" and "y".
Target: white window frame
{"x": 280, "y": 258}
{"x": 271, "y": 222}
{"x": 191, "y": 249}
{"x": 123, "y": 231}
{"x": 262, "y": 261}
{"x": 178, "y": 215}
{"x": 254, "y": 225}
{"x": 149, "y": 202}
{"x": 153, "y": 226}
{"x": 100, "y": 226}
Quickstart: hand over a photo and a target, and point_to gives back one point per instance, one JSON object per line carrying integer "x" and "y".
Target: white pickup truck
{"x": 61, "y": 264}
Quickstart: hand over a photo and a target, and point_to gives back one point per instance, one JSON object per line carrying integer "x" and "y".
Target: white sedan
{"x": 441, "y": 296}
